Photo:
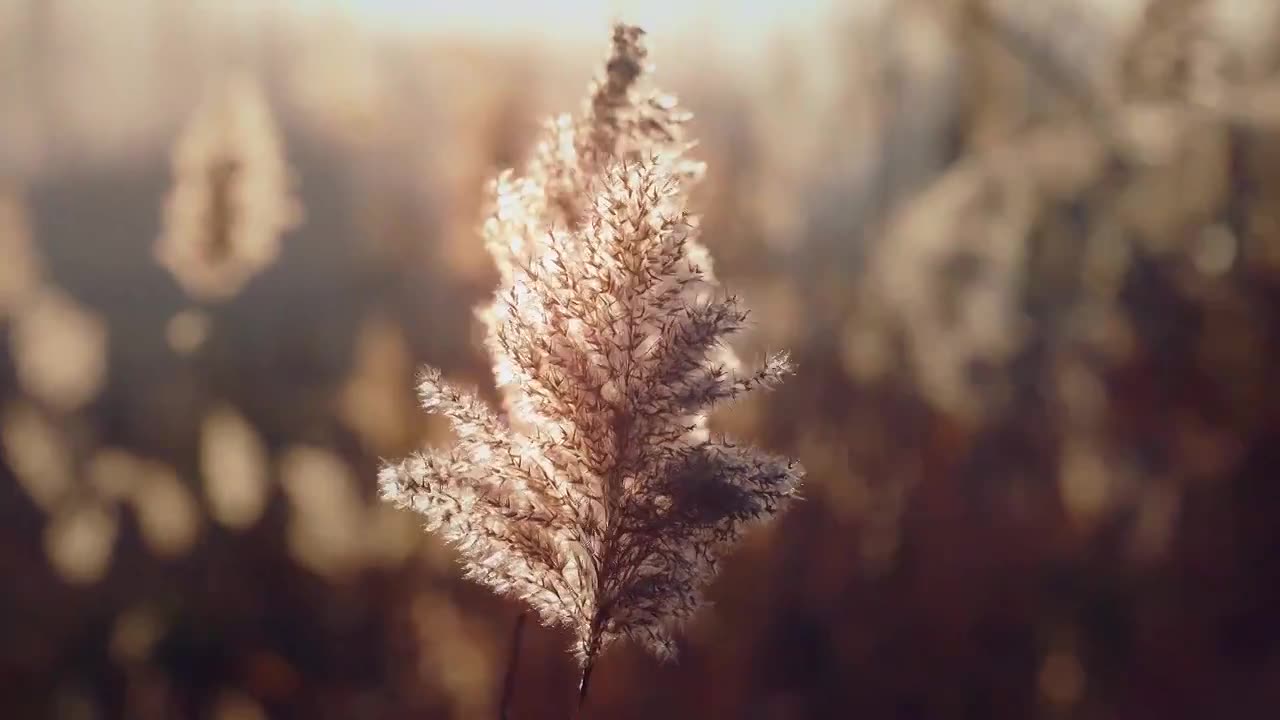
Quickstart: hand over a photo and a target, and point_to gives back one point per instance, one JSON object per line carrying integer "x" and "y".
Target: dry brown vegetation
{"x": 1026, "y": 256}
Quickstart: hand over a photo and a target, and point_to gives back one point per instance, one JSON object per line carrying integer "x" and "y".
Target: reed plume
{"x": 619, "y": 120}
{"x": 232, "y": 198}
{"x": 599, "y": 496}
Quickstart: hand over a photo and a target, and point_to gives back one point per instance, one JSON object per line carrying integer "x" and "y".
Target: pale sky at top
{"x": 744, "y": 21}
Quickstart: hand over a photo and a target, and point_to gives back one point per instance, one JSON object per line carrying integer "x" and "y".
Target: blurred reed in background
{"x": 1026, "y": 254}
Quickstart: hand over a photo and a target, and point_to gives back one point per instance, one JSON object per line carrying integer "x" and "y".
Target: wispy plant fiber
{"x": 599, "y": 496}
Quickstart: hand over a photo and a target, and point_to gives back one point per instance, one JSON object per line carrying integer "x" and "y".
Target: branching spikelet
{"x": 620, "y": 120}
{"x": 599, "y": 497}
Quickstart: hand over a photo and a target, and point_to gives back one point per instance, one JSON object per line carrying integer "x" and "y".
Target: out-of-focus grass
{"x": 1027, "y": 256}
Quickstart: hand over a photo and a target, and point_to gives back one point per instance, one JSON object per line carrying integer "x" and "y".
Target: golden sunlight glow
{"x": 573, "y": 19}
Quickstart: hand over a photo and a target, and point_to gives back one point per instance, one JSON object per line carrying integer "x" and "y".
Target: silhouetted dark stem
{"x": 593, "y": 648}
{"x": 583, "y": 685}
{"x": 509, "y": 682}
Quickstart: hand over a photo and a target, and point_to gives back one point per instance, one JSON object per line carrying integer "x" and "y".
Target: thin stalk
{"x": 593, "y": 649}
{"x": 583, "y": 685}
{"x": 513, "y": 662}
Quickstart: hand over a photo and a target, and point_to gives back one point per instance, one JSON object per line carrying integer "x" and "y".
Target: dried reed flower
{"x": 373, "y": 402}
{"x": 326, "y": 515}
{"x": 40, "y": 456}
{"x": 1172, "y": 52}
{"x": 80, "y": 540}
{"x": 20, "y": 272}
{"x": 620, "y": 120}
{"x": 231, "y": 199}
{"x": 59, "y": 349}
{"x": 234, "y": 468}
{"x": 187, "y": 330}
{"x": 167, "y": 514}
{"x": 600, "y": 497}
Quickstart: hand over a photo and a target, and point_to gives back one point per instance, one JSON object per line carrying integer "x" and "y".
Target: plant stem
{"x": 583, "y": 685}
{"x": 509, "y": 682}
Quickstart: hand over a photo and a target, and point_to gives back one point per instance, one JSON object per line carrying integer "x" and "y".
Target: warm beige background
{"x": 1026, "y": 255}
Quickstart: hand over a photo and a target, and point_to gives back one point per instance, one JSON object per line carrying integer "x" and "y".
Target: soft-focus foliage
{"x": 621, "y": 121}
{"x": 1026, "y": 256}
{"x": 231, "y": 201}
{"x": 20, "y": 272}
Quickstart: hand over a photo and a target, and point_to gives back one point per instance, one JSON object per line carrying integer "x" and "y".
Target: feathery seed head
{"x": 599, "y": 496}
